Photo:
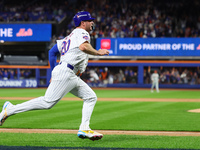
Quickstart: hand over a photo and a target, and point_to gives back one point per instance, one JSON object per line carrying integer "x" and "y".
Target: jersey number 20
{"x": 65, "y": 47}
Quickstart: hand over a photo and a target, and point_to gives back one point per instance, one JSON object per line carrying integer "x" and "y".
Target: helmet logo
{"x": 82, "y": 15}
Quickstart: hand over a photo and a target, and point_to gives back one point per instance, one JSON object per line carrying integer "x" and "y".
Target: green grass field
{"x": 119, "y": 93}
{"x": 108, "y": 115}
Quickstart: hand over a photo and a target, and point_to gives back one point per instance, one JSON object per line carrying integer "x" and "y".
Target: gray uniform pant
{"x": 156, "y": 85}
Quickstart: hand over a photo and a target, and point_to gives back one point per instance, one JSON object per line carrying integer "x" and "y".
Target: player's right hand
{"x": 102, "y": 52}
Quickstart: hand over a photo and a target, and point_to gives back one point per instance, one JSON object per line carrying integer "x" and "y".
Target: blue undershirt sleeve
{"x": 53, "y": 52}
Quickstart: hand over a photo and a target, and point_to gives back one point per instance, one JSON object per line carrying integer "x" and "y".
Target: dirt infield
{"x": 105, "y": 132}
{"x": 109, "y": 132}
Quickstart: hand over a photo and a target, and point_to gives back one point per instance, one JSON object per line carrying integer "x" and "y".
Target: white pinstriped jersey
{"x": 65, "y": 78}
{"x": 69, "y": 49}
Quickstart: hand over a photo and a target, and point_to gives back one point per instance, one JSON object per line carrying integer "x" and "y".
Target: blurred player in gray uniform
{"x": 74, "y": 50}
{"x": 155, "y": 81}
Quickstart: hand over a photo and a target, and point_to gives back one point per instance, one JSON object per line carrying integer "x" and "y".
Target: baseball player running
{"x": 74, "y": 50}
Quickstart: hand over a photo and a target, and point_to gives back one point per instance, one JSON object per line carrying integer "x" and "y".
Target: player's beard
{"x": 89, "y": 28}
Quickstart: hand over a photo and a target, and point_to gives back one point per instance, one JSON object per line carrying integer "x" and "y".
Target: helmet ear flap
{"x": 77, "y": 21}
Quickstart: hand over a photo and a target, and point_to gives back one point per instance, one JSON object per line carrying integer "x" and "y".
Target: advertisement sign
{"x": 18, "y": 83}
{"x": 150, "y": 46}
{"x": 25, "y": 32}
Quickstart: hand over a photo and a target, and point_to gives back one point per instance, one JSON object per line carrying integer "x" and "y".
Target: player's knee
{"x": 49, "y": 105}
{"x": 94, "y": 98}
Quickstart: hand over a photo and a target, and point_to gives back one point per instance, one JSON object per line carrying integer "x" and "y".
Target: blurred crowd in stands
{"x": 167, "y": 75}
{"x": 36, "y": 10}
{"x": 12, "y": 74}
{"x": 110, "y": 75}
{"x": 175, "y": 75}
{"x": 113, "y": 75}
{"x": 114, "y": 18}
{"x": 144, "y": 18}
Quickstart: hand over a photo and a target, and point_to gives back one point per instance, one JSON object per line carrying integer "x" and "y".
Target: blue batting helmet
{"x": 82, "y": 16}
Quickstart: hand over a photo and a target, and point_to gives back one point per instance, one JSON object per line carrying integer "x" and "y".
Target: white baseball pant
{"x": 63, "y": 81}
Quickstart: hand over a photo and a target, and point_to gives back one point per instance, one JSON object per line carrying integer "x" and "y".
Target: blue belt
{"x": 70, "y": 66}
